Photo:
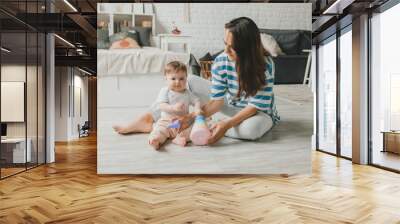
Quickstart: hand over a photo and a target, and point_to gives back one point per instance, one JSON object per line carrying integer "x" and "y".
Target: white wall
{"x": 33, "y": 126}
{"x": 80, "y": 83}
{"x": 61, "y": 103}
{"x": 207, "y": 20}
{"x": 17, "y": 73}
{"x": 14, "y": 73}
{"x": 67, "y": 80}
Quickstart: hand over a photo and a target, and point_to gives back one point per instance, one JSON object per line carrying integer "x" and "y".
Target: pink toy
{"x": 200, "y": 132}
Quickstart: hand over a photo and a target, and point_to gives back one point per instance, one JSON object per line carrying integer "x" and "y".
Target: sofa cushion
{"x": 289, "y": 69}
{"x": 215, "y": 55}
{"x": 206, "y": 57}
{"x": 270, "y": 45}
{"x": 305, "y": 41}
{"x": 288, "y": 40}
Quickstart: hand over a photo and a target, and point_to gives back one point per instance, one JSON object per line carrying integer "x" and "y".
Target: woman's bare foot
{"x": 155, "y": 143}
{"x": 143, "y": 124}
{"x": 179, "y": 141}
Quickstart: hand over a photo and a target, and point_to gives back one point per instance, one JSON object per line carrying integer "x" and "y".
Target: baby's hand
{"x": 178, "y": 107}
{"x": 199, "y": 112}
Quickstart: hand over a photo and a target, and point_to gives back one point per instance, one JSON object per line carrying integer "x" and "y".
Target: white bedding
{"x": 143, "y": 60}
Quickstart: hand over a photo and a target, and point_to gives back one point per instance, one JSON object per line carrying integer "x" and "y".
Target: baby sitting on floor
{"x": 174, "y": 101}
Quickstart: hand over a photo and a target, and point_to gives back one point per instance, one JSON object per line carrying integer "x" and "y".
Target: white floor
{"x": 285, "y": 149}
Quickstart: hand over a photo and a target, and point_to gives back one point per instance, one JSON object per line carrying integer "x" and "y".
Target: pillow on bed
{"x": 144, "y": 35}
{"x": 271, "y": 45}
{"x": 122, "y": 35}
{"x": 124, "y": 40}
{"x": 126, "y": 43}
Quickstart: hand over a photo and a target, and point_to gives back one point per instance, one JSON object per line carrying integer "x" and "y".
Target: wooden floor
{"x": 70, "y": 191}
{"x": 387, "y": 159}
{"x": 10, "y": 171}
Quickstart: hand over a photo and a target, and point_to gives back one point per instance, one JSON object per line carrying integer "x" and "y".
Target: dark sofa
{"x": 290, "y": 68}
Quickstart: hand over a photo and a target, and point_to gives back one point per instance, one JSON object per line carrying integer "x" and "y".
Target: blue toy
{"x": 175, "y": 124}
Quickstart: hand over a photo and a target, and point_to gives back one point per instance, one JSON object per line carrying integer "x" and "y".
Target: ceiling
{"x": 330, "y": 15}
{"x": 76, "y": 23}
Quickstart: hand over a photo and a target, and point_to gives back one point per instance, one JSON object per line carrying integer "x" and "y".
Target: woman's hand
{"x": 218, "y": 131}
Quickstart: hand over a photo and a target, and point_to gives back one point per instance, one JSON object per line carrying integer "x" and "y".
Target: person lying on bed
{"x": 241, "y": 88}
{"x": 173, "y": 101}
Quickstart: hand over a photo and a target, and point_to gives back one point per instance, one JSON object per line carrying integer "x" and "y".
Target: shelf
{"x": 116, "y": 21}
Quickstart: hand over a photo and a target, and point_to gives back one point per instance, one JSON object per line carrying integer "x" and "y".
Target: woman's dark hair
{"x": 250, "y": 62}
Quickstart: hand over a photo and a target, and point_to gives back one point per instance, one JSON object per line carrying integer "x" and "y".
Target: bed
{"x": 139, "y": 60}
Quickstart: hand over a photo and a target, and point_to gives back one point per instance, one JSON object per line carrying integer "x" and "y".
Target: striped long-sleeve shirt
{"x": 225, "y": 84}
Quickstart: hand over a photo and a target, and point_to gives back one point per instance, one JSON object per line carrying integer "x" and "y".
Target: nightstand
{"x": 166, "y": 39}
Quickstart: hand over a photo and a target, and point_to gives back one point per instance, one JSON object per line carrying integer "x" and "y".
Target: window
{"x": 346, "y": 93}
{"x": 385, "y": 89}
{"x": 22, "y": 77}
{"x": 327, "y": 95}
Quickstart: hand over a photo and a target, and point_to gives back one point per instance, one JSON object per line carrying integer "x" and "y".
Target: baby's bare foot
{"x": 119, "y": 129}
{"x": 179, "y": 141}
{"x": 155, "y": 143}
